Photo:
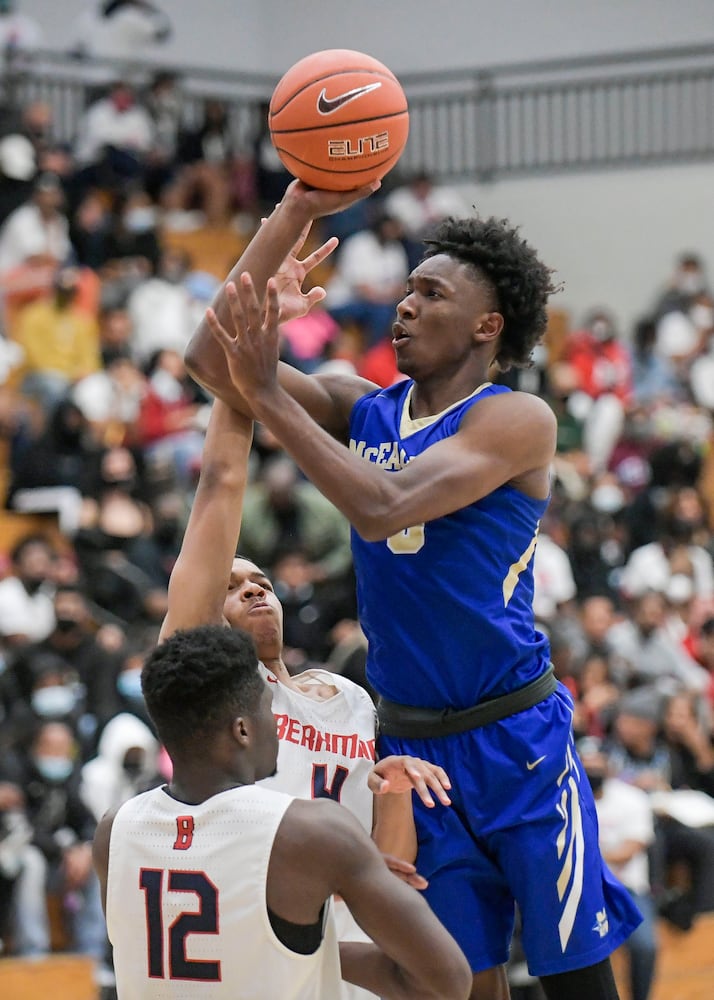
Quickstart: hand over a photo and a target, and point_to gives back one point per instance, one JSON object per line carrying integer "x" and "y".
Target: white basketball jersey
{"x": 326, "y": 748}
{"x": 186, "y": 906}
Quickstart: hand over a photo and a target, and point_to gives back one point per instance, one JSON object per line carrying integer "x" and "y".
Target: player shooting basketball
{"x": 445, "y": 481}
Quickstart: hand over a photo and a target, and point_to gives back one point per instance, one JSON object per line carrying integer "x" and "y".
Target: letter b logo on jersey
{"x": 184, "y": 833}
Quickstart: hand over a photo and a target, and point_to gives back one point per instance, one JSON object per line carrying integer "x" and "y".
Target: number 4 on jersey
{"x": 321, "y": 789}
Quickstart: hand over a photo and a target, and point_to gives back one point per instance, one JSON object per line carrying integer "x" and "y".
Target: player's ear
{"x": 488, "y": 327}
{"x": 241, "y": 731}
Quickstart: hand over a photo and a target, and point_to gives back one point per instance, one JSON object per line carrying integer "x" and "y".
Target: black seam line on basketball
{"x": 336, "y": 125}
{"x": 328, "y": 76}
{"x": 331, "y": 168}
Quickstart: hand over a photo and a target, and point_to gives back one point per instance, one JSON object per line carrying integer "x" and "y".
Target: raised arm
{"x": 274, "y": 251}
{"x": 321, "y": 849}
{"x": 200, "y": 577}
{"x": 505, "y": 439}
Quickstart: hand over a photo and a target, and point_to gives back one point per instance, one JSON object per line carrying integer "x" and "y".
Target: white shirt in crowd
{"x": 552, "y": 578}
{"x": 128, "y": 31}
{"x": 32, "y": 615}
{"x": 104, "y": 125}
{"x": 366, "y": 261}
{"x": 26, "y": 233}
{"x": 624, "y": 813}
{"x": 648, "y": 569}
{"x": 419, "y": 214}
{"x": 162, "y": 317}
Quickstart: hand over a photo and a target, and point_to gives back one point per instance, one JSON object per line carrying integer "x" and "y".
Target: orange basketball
{"x": 338, "y": 119}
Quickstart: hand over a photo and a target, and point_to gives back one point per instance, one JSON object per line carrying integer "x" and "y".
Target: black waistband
{"x": 409, "y": 722}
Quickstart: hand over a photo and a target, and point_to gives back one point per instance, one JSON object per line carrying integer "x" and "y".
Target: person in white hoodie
{"x": 126, "y": 764}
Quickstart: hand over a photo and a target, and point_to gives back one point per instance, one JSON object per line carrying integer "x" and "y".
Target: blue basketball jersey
{"x": 446, "y": 606}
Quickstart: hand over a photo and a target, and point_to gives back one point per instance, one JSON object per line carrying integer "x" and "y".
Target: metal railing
{"x": 590, "y": 113}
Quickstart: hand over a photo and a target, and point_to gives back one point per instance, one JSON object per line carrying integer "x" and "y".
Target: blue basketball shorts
{"x": 521, "y": 829}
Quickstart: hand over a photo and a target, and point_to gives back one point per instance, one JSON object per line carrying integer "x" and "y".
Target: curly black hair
{"x": 196, "y": 679}
{"x": 520, "y": 282}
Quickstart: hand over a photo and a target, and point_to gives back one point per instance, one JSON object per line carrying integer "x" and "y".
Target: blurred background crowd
{"x": 102, "y": 281}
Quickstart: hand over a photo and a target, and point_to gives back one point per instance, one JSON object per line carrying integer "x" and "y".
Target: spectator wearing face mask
{"x": 54, "y": 694}
{"x": 676, "y": 549}
{"x": 60, "y": 341}
{"x": 115, "y": 136}
{"x": 682, "y": 334}
{"x": 37, "y": 233}
{"x": 78, "y": 644}
{"x": 603, "y": 373}
{"x": 129, "y": 698}
{"x": 26, "y": 610}
{"x": 59, "y": 858}
{"x": 688, "y": 280}
{"x": 169, "y": 424}
{"x": 132, "y": 248}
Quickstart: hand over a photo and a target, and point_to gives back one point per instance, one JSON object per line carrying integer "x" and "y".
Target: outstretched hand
{"x": 400, "y": 774}
{"x": 290, "y": 276}
{"x": 252, "y": 354}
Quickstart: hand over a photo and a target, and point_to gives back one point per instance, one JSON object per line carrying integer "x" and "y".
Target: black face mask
{"x": 596, "y": 782}
{"x": 167, "y": 531}
{"x": 66, "y": 625}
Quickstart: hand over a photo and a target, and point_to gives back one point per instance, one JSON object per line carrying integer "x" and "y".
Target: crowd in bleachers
{"x": 102, "y": 430}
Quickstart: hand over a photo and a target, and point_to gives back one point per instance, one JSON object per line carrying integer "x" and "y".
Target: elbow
{"x": 371, "y": 526}
{"x": 380, "y": 521}
{"x": 195, "y": 360}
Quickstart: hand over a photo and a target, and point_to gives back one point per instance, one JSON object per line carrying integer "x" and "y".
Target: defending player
{"x": 214, "y": 887}
{"x": 445, "y": 481}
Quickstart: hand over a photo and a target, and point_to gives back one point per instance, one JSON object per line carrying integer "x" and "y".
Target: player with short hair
{"x": 445, "y": 477}
{"x": 215, "y": 886}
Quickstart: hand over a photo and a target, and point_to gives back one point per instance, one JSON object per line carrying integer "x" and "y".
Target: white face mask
{"x": 690, "y": 282}
{"x": 607, "y": 498}
{"x": 140, "y": 219}
{"x": 602, "y": 330}
{"x": 702, "y": 316}
{"x": 54, "y": 701}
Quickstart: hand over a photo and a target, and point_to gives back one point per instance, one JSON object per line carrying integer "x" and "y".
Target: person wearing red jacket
{"x": 603, "y": 370}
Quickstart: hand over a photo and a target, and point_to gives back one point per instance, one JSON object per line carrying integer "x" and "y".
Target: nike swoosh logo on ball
{"x": 326, "y": 105}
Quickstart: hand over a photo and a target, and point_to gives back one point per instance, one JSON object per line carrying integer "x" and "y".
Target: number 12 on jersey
{"x": 203, "y": 921}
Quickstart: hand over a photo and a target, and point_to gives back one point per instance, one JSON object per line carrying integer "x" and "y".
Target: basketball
{"x": 338, "y": 119}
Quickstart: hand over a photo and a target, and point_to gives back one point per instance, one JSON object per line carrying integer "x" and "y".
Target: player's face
{"x": 266, "y": 737}
{"x": 437, "y": 318}
{"x": 251, "y": 605}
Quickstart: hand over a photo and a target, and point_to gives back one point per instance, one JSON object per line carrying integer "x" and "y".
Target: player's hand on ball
{"x": 400, "y": 774}
{"x": 252, "y": 353}
{"x": 405, "y": 871}
{"x": 317, "y": 203}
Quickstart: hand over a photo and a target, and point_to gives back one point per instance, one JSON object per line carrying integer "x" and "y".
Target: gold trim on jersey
{"x": 571, "y": 850}
{"x": 410, "y": 425}
{"x": 515, "y": 569}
